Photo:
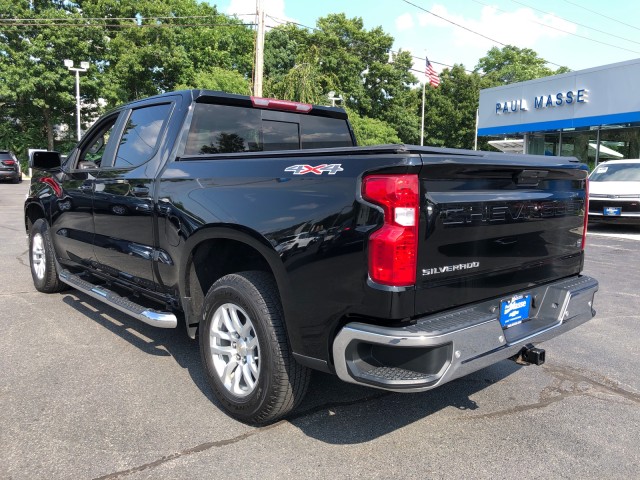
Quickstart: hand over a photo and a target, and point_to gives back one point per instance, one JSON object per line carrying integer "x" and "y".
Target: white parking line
{"x": 628, "y": 236}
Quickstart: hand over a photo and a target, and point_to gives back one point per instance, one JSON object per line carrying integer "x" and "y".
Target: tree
{"x": 512, "y": 64}
{"x": 304, "y": 82}
{"x": 36, "y": 88}
{"x": 216, "y": 78}
{"x": 450, "y": 109}
{"x": 341, "y": 55}
{"x": 371, "y": 131}
{"x": 164, "y": 44}
{"x": 135, "y": 48}
{"x": 282, "y": 47}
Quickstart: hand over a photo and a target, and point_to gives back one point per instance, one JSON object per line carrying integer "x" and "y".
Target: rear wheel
{"x": 245, "y": 350}
{"x": 42, "y": 260}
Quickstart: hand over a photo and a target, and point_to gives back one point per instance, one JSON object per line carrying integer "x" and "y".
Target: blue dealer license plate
{"x": 514, "y": 310}
{"x": 612, "y": 211}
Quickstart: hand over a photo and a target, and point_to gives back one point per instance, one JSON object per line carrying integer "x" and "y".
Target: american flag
{"x": 432, "y": 75}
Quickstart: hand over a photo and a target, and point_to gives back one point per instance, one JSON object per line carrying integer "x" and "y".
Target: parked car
{"x": 10, "y": 167}
{"x": 614, "y": 192}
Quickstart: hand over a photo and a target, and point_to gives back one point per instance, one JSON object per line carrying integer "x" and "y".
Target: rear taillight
{"x": 586, "y": 213}
{"x": 393, "y": 249}
{"x": 286, "y": 105}
{"x": 8, "y": 163}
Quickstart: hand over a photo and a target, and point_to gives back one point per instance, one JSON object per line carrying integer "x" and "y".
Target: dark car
{"x": 9, "y": 167}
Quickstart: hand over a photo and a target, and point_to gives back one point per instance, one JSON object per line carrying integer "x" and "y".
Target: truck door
{"x": 72, "y": 225}
{"x": 123, "y": 197}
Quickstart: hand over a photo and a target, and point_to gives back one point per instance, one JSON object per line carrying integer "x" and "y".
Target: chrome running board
{"x": 146, "y": 315}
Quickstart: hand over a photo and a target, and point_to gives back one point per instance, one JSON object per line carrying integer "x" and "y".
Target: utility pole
{"x": 259, "y": 63}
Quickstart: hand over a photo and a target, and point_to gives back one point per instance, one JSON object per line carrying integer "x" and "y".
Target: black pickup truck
{"x": 283, "y": 247}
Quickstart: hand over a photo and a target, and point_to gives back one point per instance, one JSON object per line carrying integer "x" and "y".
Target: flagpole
{"x": 424, "y": 87}
{"x": 475, "y": 142}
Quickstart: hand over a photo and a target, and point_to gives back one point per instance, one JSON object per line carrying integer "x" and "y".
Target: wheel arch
{"x": 32, "y": 212}
{"x": 215, "y": 251}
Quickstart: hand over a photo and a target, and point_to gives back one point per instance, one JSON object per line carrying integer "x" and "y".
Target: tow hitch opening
{"x": 530, "y": 355}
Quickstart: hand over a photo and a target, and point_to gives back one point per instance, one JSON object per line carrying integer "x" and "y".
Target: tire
{"x": 245, "y": 351}
{"x": 42, "y": 259}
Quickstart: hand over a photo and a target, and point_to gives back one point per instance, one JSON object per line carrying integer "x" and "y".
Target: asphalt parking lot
{"x": 87, "y": 392}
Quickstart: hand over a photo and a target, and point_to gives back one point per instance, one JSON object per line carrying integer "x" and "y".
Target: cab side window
{"x": 141, "y": 135}
{"x": 93, "y": 151}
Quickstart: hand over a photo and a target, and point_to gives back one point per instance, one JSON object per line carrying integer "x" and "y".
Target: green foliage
{"x": 304, "y": 82}
{"x": 512, "y": 64}
{"x": 450, "y": 110}
{"x": 158, "y": 52}
{"x": 216, "y": 78}
{"x": 370, "y": 131}
{"x": 36, "y": 89}
{"x": 145, "y": 47}
{"x": 282, "y": 47}
{"x": 340, "y": 55}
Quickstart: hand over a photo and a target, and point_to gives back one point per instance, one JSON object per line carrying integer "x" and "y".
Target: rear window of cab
{"x": 230, "y": 129}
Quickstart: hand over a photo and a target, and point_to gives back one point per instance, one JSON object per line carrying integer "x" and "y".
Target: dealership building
{"x": 591, "y": 114}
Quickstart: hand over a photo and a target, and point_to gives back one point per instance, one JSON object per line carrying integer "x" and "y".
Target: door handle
{"x": 86, "y": 187}
{"x": 140, "y": 191}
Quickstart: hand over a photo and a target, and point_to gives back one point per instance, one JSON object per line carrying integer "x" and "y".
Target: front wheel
{"x": 245, "y": 350}
{"x": 42, "y": 259}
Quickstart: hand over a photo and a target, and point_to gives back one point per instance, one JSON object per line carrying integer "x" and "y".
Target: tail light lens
{"x": 8, "y": 163}
{"x": 393, "y": 249}
{"x": 586, "y": 213}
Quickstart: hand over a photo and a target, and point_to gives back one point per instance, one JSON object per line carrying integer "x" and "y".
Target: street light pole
{"x": 84, "y": 66}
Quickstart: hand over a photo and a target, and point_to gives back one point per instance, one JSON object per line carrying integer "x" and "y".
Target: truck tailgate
{"x": 496, "y": 224}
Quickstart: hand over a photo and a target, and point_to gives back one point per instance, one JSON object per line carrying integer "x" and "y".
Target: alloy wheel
{"x": 234, "y": 349}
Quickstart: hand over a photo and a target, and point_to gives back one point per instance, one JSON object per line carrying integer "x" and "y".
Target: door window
{"x": 94, "y": 149}
{"x": 141, "y": 135}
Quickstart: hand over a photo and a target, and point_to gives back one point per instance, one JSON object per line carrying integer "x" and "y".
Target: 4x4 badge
{"x": 318, "y": 170}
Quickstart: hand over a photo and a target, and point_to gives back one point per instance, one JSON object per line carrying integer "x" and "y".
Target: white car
{"x": 614, "y": 192}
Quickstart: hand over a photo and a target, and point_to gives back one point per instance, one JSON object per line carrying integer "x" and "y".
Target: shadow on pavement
{"x": 328, "y": 415}
{"x": 333, "y": 411}
{"x": 151, "y": 340}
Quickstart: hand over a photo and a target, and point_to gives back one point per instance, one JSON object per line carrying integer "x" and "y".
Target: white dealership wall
{"x": 605, "y": 95}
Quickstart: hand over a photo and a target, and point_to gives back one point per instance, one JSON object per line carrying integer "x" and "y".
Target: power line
{"x": 601, "y": 14}
{"x": 125, "y": 25}
{"x": 174, "y": 17}
{"x": 579, "y": 24}
{"x": 454, "y": 23}
{"x": 467, "y": 29}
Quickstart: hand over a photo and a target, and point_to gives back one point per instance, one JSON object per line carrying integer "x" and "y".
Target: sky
{"x": 577, "y": 34}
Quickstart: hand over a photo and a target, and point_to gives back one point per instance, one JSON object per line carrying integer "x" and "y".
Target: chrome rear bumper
{"x": 439, "y": 348}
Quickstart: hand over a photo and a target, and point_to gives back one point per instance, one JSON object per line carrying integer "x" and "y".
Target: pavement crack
{"x": 6, "y": 227}
{"x": 21, "y": 257}
{"x": 568, "y": 382}
{"x": 222, "y": 443}
{"x": 189, "y": 451}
